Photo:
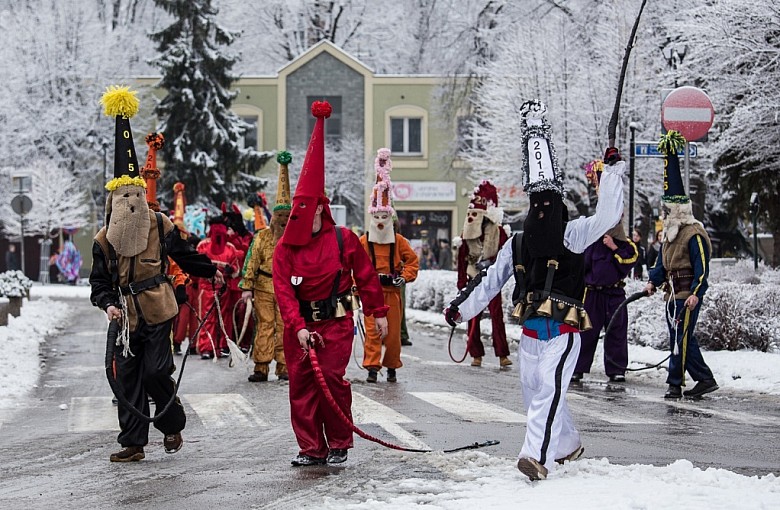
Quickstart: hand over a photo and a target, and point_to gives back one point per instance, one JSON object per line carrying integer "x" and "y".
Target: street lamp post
{"x": 754, "y": 214}
{"x": 631, "y": 166}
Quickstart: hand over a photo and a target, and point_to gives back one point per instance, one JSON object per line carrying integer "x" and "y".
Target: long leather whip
{"x": 315, "y": 365}
{"x": 630, "y": 299}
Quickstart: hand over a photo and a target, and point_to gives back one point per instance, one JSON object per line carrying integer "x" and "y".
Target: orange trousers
{"x": 372, "y": 351}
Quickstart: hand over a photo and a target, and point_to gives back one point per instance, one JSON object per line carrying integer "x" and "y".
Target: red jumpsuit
{"x": 475, "y": 347}
{"x": 226, "y": 261}
{"x": 317, "y": 427}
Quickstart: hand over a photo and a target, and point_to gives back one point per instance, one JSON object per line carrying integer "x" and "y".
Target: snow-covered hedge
{"x": 14, "y": 284}
{"x": 741, "y": 309}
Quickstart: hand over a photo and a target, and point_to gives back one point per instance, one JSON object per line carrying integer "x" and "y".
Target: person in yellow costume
{"x": 256, "y": 282}
{"x": 397, "y": 264}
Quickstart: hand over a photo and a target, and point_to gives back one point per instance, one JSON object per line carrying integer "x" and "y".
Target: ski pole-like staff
{"x": 613, "y": 121}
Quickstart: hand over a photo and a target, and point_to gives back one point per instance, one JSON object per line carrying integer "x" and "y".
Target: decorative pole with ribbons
{"x": 149, "y": 172}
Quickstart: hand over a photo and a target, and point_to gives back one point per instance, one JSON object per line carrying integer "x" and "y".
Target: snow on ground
{"x": 478, "y": 480}
{"x": 20, "y": 340}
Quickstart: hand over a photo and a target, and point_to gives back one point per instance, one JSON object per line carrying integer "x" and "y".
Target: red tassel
{"x": 321, "y": 109}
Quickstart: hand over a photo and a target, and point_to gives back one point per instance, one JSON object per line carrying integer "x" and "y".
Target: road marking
{"x": 219, "y": 410}
{"x": 609, "y": 417}
{"x": 738, "y": 416}
{"x": 365, "y": 410}
{"x": 470, "y": 408}
{"x": 92, "y": 414}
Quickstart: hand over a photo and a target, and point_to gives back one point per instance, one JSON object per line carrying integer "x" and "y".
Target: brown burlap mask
{"x": 279, "y": 219}
{"x": 128, "y": 222}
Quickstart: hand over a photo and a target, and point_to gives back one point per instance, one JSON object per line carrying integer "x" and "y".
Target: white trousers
{"x": 546, "y": 368}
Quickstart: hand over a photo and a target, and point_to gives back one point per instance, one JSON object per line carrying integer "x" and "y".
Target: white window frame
{"x": 248, "y": 110}
{"x": 407, "y": 112}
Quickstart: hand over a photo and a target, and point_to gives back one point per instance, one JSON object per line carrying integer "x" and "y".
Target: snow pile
{"x": 478, "y": 480}
{"x": 434, "y": 289}
{"x": 19, "y": 363}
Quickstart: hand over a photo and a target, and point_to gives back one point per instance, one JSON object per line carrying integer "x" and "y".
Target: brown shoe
{"x": 504, "y": 361}
{"x": 532, "y": 469}
{"x": 576, "y": 454}
{"x": 173, "y": 442}
{"x": 128, "y": 454}
{"x": 476, "y": 362}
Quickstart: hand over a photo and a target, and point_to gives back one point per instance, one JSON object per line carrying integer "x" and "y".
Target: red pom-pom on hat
{"x": 321, "y": 109}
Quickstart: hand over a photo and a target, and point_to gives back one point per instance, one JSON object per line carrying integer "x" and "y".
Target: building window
{"x": 406, "y": 135}
{"x": 250, "y": 135}
{"x": 333, "y": 125}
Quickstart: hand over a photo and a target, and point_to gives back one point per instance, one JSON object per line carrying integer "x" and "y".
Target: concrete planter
{"x": 3, "y": 313}
{"x": 15, "y": 306}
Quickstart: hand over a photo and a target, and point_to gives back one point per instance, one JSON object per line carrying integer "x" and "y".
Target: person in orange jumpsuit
{"x": 396, "y": 262}
{"x": 314, "y": 266}
{"x": 211, "y": 339}
{"x": 478, "y": 246}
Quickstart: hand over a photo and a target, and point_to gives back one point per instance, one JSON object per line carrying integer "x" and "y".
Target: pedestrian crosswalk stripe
{"x": 469, "y": 408}
{"x": 738, "y": 416}
{"x": 217, "y": 410}
{"x": 365, "y": 411}
{"x": 610, "y": 417}
{"x": 92, "y": 414}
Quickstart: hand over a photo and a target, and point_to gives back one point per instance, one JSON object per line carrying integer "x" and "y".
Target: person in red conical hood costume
{"x": 314, "y": 268}
{"x": 310, "y": 191}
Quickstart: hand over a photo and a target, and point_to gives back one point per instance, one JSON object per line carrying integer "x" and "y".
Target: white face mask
{"x": 380, "y": 228}
{"x": 128, "y": 229}
{"x": 472, "y": 226}
{"x": 675, "y": 216}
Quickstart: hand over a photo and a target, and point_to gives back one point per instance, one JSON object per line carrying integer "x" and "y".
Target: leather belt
{"x": 618, "y": 285}
{"x": 135, "y": 288}
{"x": 324, "y": 309}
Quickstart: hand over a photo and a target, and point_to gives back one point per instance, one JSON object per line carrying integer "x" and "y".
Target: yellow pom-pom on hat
{"x": 118, "y": 100}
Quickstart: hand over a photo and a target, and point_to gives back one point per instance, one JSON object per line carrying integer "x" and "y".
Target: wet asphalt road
{"x": 238, "y": 441}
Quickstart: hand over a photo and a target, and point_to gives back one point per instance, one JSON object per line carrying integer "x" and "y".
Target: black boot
{"x": 258, "y": 377}
{"x": 674, "y": 392}
{"x": 391, "y": 375}
{"x": 337, "y": 456}
{"x": 702, "y": 387}
{"x": 307, "y": 460}
{"x": 371, "y": 375}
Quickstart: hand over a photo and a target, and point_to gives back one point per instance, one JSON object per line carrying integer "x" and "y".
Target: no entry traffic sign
{"x": 689, "y": 111}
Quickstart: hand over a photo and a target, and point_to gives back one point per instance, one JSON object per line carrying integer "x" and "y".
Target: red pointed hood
{"x": 310, "y": 190}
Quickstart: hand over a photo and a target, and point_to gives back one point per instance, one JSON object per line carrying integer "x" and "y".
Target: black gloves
{"x": 452, "y": 315}
{"x": 612, "y": 156}
{"x": 181, "y": 294}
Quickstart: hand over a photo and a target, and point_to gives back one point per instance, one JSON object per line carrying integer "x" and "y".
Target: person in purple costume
{"x": 607, "y": 263}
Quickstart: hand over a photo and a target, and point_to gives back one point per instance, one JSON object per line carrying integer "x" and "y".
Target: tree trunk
{"x": 3, "y": 314}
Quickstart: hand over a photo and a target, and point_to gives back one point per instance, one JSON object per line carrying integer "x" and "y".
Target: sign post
{"x": 689, "y": 111}
{"x": 21, "y": 204}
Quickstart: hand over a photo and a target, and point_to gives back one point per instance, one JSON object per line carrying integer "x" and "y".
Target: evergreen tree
{"x": 203, "y": 137}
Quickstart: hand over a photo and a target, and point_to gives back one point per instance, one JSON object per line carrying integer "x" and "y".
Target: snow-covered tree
{"x": 58, "y": 201}
{"x": 734, "y": 54}
{"x": 203, "y": 137}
